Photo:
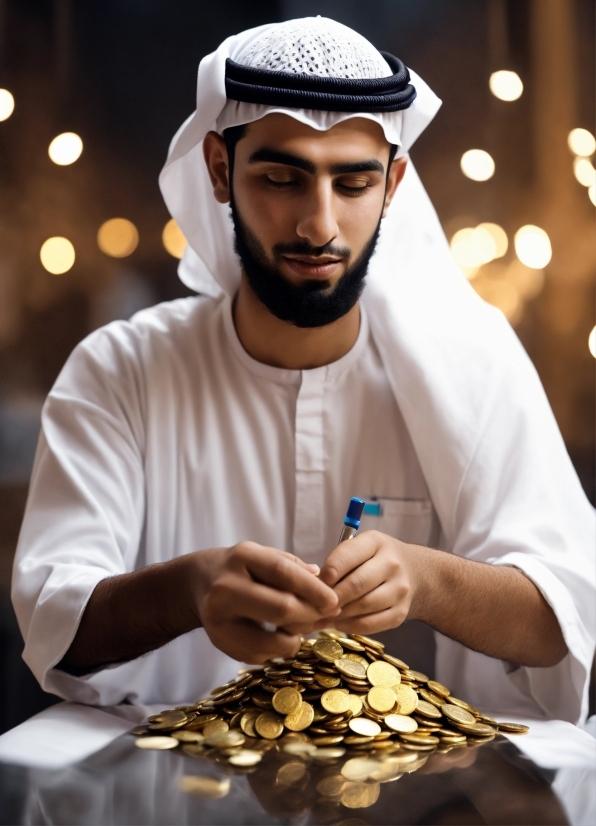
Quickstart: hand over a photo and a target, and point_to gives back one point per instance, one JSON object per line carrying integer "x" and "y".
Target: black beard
{"x": 313, "y": 303}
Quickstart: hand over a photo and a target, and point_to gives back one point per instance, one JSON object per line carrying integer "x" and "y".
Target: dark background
{"x": 122, "y": 73}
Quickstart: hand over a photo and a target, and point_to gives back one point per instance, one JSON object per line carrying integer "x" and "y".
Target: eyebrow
{"x": 285, "y": 158}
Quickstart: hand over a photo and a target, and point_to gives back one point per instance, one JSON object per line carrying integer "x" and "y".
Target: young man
{"x": 195, "y": 463}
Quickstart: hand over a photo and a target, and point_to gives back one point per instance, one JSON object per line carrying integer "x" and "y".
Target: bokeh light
{"x": 65, "y": 148}
{"x": 499, "y": 236}
{"x": 506, "y": 85}
{"x": 581, "y": 142}
{"x": 118, "y": 237}
{"x": 592, "y": 193}
{"x": 477, "y": 165}
{"x": 584, "y": 171}
{"x": 473, "y": 247}
{"x": 6, "y": 104}
{"x": 173, "y": 239}
{"x": 57, "y": 255}
{"x": 592, "y": 342}
{"x": 533, "y": 247}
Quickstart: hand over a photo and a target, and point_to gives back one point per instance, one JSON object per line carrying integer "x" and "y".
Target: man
{"x": 195, "y": 463}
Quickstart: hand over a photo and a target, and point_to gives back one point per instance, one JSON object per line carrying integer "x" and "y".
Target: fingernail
{"x": 316, "y": 568}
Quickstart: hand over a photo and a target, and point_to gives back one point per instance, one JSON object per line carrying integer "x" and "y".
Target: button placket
{"x": 309, "y": 458}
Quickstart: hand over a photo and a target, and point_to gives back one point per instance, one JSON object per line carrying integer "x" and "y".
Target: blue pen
{"x": 352, "y": 519}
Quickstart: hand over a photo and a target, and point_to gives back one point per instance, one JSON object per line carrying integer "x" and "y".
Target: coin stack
{"x": 339, "y": 692}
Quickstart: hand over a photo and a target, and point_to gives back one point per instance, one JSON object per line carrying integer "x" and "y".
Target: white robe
{"x": 162, "y": 436}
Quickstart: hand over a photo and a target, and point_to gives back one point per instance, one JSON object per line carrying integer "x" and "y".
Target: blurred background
{"x": 91, "y": 94}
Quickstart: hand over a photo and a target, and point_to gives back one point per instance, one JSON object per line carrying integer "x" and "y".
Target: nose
{"x": 318, "y": 223}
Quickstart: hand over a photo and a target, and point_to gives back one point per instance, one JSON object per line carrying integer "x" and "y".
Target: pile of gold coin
{"x": 338, "y": 693}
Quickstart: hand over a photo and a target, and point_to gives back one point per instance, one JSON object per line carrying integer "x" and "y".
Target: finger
{"x": 279, "y": 570}
{"x": 379, "y": 599}
{"x": 263, "y": 604}
{"x": 371, "y": 623}
{"x": 347, "y": 556}
{"x": 247, "y": 642}
{"x": 361, "y": 581}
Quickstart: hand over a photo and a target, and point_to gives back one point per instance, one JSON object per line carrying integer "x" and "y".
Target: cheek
{"x": 264, "y": 215}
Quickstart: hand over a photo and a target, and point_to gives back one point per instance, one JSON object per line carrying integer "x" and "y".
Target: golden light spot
{"x": 65, "y": 148}
{"x": 584, "y": 171}
{"x": 57, "y": 255}
{"x": 173, "y": 239}
{"x": 581, "y": 142}
{"x": 6, "y": 104}
{"x": 506, "y": 85}
{"x": 477, "y": 165}
{"x": 118, "y": 237}
{"x": 533, "y": 247}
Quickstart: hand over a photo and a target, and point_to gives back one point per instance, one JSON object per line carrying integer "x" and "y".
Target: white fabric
{"x": 162, "y": 436}
{"x": 488, "y": 446}
{"x": 317, "y": 46}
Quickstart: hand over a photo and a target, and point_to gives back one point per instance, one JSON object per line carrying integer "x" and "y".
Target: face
{"x": 307, "y": 207}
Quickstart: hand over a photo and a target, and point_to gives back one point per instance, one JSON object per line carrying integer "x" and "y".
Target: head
{"x": 306, "y": 206}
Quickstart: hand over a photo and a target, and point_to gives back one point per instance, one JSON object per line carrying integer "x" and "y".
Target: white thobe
{"x": 162, "y": 436}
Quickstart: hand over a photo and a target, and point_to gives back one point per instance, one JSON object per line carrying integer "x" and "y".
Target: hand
{"x": 237, "y": 589}
{"x": 373, "y": 577}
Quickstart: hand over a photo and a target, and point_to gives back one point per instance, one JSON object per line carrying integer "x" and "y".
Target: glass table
{"x": 75, "y": 764}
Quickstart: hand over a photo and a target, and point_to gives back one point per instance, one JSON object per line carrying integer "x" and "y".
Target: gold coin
{"x": 351, "y": 645}
{"x": 286, "y": 700}
{"x": 452, "y": 738}
{"x": 247, "y": 722}
{"x": 428, "y": 709}
{"x": 458, "y": 714}
{"x": 327, "y": 740}
{"x": 245, "y": 757}
{"x": 300, "y": 718}
{"x": 351, "y": 668}
{"x": 158, "y": 743}
{"x": 438, "y": 688}
{"x": 401, "y": 723}
{"x": 514, "y": 728}
{"x": 326, "y": 680}
{"x": 225, "y": 739}
{"x": 355, "y": 705}
{"x": 327, "y": 650}
{"x": 188, "y": 736}
{"x": 269, "y": 725}
{"x": 479, "y": 730}
{"x": 209, "y": 788}
{"x": 381, "y": 698}
{"x": 453, "y": 701}
{"x": 336, "y": 701}
{"x": 379, "y": 646}
{"x": 357, "y": 740}
{"x": 357, "y": 659}
{"x": 169, "y": 720}
{"x": 359, "y": 768}
{"x": 484, "y": 718}
{"x": 418, "y": 676}
{"x": 360, "y": 795}
{"x": 395, "y": 661}
{"x": 430, "y": 697}
{"x": 331, "y": 786}
{"x": 290, "y": 773}
{"x": 215, "y": 725}
{"x": 419, "y": 739}
{"x": 381, "y": 673}
{"x": 364, "y": 726}
{"x": 407, "y": 699}
{"x": 194, "y": 749}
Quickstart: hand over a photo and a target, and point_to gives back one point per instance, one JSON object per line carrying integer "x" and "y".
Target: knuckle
{"x": 285, "y": 608}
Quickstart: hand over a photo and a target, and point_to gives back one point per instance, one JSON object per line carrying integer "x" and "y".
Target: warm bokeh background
{"x": 121, "y": 75}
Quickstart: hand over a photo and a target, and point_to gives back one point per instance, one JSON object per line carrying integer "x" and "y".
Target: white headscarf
{"x": 491, "y": 453}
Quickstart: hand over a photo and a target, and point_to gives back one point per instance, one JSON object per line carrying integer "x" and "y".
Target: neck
{"x": 272, "y": 341}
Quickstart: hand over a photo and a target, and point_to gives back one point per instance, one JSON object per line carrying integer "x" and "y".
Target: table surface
{"x": 75, "y": 764}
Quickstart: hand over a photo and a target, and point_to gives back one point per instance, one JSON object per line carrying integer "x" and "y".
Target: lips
{"x": 313, "y": 269}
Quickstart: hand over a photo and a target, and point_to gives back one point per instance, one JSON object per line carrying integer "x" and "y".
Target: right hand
{"x": 237, "y": 589}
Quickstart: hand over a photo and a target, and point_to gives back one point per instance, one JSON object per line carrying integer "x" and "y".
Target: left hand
{"x": 374, "y": 578}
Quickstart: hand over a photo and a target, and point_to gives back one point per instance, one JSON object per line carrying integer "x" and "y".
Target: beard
{"x": 313, "y": 303}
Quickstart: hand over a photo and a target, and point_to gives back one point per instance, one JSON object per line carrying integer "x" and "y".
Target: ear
{"x": 216, "y": 158}
{"x": 394, "y": 178}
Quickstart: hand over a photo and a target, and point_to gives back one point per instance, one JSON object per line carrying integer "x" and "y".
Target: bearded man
{"x": 195, "y": 463}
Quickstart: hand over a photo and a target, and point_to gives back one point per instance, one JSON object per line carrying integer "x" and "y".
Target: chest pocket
{"x": 410, "y": 520}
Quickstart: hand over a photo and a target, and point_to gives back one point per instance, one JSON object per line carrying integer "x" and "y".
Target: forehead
{"x": 353, "y": 138}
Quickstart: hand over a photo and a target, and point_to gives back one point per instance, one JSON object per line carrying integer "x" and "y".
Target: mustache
{"x": 304, "y": 248}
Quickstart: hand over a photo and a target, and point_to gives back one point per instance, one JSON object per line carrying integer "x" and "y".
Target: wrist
{"x": 424, "y": 572}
